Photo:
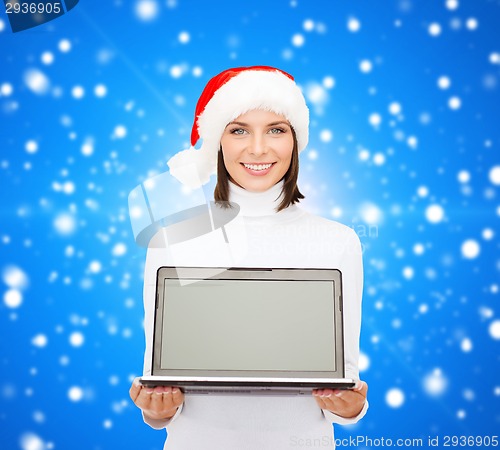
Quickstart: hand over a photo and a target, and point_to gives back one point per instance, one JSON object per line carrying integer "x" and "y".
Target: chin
{"x": 258, "y": 185}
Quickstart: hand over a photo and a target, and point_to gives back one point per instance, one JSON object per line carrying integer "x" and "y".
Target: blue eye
{"x": 237, "y": 131}
{"x": 277, "y": 130}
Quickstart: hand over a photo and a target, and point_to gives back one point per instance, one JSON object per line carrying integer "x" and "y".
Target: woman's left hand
{"x": 346, "y": 403}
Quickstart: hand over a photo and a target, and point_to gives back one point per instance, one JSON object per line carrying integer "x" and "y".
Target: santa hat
{"x": 227, "y": 96}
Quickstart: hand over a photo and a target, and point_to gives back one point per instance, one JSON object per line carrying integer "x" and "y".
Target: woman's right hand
{"x": 160, "y": 402}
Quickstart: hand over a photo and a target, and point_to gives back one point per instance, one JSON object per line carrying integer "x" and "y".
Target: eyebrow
{"x": 272, "y": 124}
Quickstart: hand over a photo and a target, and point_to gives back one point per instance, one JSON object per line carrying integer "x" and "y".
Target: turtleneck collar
{"x": 254, "y": 204}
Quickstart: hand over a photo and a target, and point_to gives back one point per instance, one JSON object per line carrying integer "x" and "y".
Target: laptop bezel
{"x": 257, "y": 377}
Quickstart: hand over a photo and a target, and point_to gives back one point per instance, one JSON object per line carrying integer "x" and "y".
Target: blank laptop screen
{"x": 276, "y": 325}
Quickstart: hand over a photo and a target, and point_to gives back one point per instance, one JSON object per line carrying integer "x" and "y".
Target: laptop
{"x": 243, "y": 330}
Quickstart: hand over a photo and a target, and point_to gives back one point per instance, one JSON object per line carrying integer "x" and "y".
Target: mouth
{"x": 258, "y": 167}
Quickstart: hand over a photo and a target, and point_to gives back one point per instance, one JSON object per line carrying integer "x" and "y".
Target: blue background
{"x": 69, "y": 157}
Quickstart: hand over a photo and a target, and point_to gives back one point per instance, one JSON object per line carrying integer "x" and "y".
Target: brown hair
{"x": 290, "y": 192}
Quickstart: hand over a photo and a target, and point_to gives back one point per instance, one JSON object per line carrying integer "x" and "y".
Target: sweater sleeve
{"x": 352, "y": 287}
{"x": 153, "y": 262}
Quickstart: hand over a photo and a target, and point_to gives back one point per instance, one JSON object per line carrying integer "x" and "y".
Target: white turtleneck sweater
{"x": 261, "y": 237}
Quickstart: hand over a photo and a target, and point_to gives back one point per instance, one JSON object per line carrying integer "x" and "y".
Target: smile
{"x": 257, "y": 166}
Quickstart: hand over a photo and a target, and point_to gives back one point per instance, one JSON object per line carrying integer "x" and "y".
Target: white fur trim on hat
{"x": 192, "y": 167}
{"x": 249, "y": 90}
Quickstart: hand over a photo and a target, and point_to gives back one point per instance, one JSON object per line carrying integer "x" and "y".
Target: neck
{"x": 256, "y": 203}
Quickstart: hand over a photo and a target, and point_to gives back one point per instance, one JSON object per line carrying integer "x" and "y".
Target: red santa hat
{"x": 227, "y": 96}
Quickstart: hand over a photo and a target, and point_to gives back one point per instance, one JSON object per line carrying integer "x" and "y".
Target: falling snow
{"x": 76, "y": 339}
{"x": 454, "y": 103}
{"x": 65, "y": 224}
{"x": 470, "y": 249}
{"x": 463, "y": 176}
{"x": 326, "y": 136}
{"x": 40, "y": 340}
{"x": 47, "y": 58}
{"x": 434, "y": 29}
{"x": 146, "y": 10}
{"x": 75, "y": 394}
{"x": 365, "y": 66}
{"x": 444, "y": 82}
{"x": 12, "y": 298}
{"x": 298, "y": 40}
{"x": 371, "y": 213}
{"x": 434, "y": 213}
{"x": 435, "y": 383}
{"x": 100, "y": 90}
{"x": 466, "y": 345}
{"x": 87, "y": 148}
{"x": 120, "y": 131}
{"x": 395, "y": 108}
{"x": 15, "y": 277}
{"x": 375, "y": 119}
{"x": 329, "y": 82}
{"x": 64, "y": 45}
{"x": 184, "y": 37}
{"x": 77, "y": 92}
{"x": 494, "y": 175}
{"x": 488, "y": 234}
{"x": 353, "y": 24}
{"x": 119, "y": 249}
{"x": 308, "y": 25}
{"x": 494, "y": 329}
{"x": 6, "y": 89}
{"x": 403, "y": 149}
{"x": 394, "y": 398}
{"x": 31, "y": 441}
{"x": 36, "y": 81}
{"x": 472, "y": 23}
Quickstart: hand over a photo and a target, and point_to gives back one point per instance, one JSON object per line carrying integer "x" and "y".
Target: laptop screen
{"x": 247, "y": 325}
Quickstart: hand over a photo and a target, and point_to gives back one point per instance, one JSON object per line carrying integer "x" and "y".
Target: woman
{"x": 254, "y": 122}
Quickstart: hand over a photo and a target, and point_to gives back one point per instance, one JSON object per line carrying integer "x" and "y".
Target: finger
{"x": 318, "y": 392}
{"x": 329, "y": 403}
{"x": 344, "y": 399}
{"x": 135, "y": 389}
{"x": 328, "y": 392}
{"x": 172, "y": 398}
{"x": 143, "y": 401}
{"x": 324, "y": 392}
{"x": 177, "y": 397}
{"x": 156, "y": 403}
{"x": 331, "y": 398}
{"x": 335, "y": 398}
{"x": 361, "y": 388}
{"x": 158, "y": 390}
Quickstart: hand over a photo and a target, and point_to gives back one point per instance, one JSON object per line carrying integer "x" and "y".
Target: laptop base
{"x": 204, "y": 387}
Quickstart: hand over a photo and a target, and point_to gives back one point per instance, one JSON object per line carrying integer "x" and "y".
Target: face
{"x": 257, "y": 149}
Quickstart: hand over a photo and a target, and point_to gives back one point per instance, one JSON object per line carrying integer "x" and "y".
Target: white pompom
{"x": 192, "y": 167}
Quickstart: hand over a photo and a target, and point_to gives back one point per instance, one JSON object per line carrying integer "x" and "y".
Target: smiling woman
{"x": 276, "y": 136}
{"x": 256, "y": 152}
{"x": 230, "y": 95}
{"x": 254, "y": 122}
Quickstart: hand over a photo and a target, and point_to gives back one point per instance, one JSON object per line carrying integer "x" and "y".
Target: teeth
{"x": 257, "y": 167}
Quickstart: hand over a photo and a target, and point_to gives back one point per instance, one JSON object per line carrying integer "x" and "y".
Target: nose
{"x": 258, "y": 146}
